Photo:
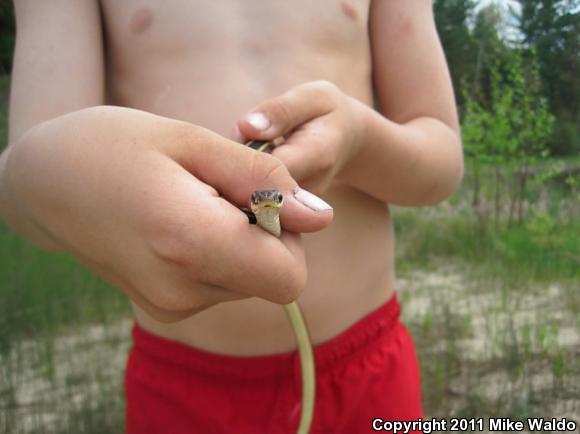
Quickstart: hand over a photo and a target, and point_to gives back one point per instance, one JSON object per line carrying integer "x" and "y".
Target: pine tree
{"x": 552, "y": 29}
{"x": 452, "y": 18}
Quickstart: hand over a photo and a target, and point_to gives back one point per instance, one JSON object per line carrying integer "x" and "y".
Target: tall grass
{"x": 494, "y": 308}
{"x": 44, "y": 294}
{"x": 540, "y": 250}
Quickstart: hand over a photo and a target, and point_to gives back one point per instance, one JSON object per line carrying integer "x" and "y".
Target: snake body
{"x": 265, "y": 212}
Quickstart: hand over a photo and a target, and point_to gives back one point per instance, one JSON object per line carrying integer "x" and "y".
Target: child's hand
{"x": 150, "y": 204}
{"x": 320, "y": 125}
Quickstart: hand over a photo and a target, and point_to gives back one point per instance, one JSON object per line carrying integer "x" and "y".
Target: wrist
{"x": 357, "y": 143}
{"x": 360, "y": 113}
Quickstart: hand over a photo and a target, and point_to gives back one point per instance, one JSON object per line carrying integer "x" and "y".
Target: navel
{"x": 349, "y": 10}
{"x": 141, "y": 21}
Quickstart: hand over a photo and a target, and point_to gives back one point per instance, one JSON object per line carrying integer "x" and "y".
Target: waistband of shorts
{"x": 362, "y": 336}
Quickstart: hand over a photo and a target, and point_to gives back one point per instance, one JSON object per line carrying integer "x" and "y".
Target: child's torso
{"x": 210, "y": 62}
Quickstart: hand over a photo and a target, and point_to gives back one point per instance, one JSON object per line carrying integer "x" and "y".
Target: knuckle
{"x": 325, "y": 85}
{"x": 324, "y": 93}
{"x": 173, "y": 241}
{"x": 288, "y": 294}
{"x": 164, "y": 240}
{"x": 170, "y": 300}
{"x": 326, "y": 153}
{"x": 168, "y": 317}
{"x": 173, "y": 300}
{"x": 281, "y": 111}
{"x": 326, "y": 88}
{"x": 182, "y": 131}
{"x": 266, "y": 169}
{"x": 174, "y": 135}
{"x": 327, "y": 159}
{"x": 292, "y": 283}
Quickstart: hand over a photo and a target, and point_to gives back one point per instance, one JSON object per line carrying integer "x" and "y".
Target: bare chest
{"x": 249, "y": 25}
{"x": 207, "y": 62}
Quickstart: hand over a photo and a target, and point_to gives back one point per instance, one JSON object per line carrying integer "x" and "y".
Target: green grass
{"x": 541, "y": 250}
{"x": 42, "y": 293}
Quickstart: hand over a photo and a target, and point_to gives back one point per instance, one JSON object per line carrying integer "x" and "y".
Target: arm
{"x": 58, "y": 68}
{"x": 58, "y": 61}
{"x": 411, "y": 154}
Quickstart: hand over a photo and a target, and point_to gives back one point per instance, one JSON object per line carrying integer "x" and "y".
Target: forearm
{"x": 30, "y": 169}
{"x": 412, "y": 164}
{"x": 15, "y": 216}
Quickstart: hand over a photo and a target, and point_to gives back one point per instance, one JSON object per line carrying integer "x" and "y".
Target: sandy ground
{"x": 503, "y": 340}
{"x": 45, "y": 384}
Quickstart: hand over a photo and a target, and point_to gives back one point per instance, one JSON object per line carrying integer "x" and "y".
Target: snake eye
{"x": 279, "y": 197}
{"x": 254, "y": 198}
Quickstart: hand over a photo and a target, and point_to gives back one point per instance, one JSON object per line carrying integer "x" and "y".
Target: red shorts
{"x": 369, "y": 371}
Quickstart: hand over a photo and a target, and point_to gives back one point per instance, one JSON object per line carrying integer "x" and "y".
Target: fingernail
{"x": 310, "y": 200}
{"x": 258, "y": 120}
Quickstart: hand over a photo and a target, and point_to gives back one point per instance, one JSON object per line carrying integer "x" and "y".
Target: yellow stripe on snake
{"x": 265, "y": 212}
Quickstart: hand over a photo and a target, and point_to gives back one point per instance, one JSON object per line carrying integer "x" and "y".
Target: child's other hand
{"x": 320, "y": 125}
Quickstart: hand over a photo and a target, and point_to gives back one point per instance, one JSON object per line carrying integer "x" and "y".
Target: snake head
{"x": 266, "y": 205}
{"x": 266, "y": 199}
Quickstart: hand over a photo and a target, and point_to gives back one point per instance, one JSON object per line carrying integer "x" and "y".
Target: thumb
{"x": 280, "y": 115}
{"x": 236, "y": 171}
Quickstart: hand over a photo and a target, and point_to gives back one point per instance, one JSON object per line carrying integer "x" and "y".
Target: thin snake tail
{"x": 307, "y": 365}
{"x": 268, "y": 219}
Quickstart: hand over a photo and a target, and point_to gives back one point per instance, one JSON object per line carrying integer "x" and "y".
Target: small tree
{"x": 533, "y": 123}
{"x": 509, "y": 135}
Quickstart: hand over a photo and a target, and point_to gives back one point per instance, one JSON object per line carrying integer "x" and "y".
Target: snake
{"x": 265, "y": 206}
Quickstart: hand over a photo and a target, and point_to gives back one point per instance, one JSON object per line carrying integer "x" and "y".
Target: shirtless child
{"x": 148, "y": 198}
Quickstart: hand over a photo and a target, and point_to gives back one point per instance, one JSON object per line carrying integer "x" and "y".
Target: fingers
{"x": 278, "y": 116}
{"x": 209, "y": 243}
{"x": 308, "y": 152}
{"x": 202, "y": 236}
{"x": 235, "y": 171}
{"x": 206, "y": 234}
{"x": 247, "y": 260}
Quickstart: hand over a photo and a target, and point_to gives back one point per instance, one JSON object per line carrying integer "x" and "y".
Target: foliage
{"x": 552, "y": 28}
{"x": 452, "y": 17}
{"x": 475, "y": 40}
{"x": 7, "y": 30}
{"x": 511, "y": 132}
{"x": 491, "y": 51}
